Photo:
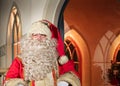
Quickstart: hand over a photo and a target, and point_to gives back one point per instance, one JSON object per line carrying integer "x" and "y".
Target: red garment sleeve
{"x": 68, "y": 67}
{"x": 15, "y": 70}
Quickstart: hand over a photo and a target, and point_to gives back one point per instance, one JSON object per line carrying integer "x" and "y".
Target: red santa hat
{"x": 51, "y": 31}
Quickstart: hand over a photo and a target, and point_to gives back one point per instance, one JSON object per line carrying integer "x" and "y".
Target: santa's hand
{"x": 20, "y": 84}
{"x": 63, "y": 83}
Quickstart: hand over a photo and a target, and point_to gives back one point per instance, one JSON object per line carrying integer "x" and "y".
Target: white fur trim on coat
{"x": 63, "y": 59}
{"x": 15, "y": 82}
{"x": 70, "y": 78}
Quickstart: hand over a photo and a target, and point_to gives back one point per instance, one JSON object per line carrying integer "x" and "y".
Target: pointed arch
{"x": 82, "y": 54}
{"x": 14, "y": 33}
{"x": 106, "y": 52}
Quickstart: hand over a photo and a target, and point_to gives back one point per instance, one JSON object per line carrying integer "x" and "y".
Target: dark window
{"x": 70, "y": 51}
{"x": 118, "y": 56}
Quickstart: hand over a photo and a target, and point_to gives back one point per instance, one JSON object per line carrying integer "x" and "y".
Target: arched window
{"x": 71, "y": 52}
{"x": 73, "y": 49}
{"x": 14, "y": 34}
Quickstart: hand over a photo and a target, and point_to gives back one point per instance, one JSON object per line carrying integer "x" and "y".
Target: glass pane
{"x": 118, "y": 56}
{"x": 75, "y": 58}
{"x": 76, "y": 67}
{"x": 71, "y": 47}
{"x": 68, "y": 54}
{"x": 15, "y": 33}
{"x": 67, "y": 41}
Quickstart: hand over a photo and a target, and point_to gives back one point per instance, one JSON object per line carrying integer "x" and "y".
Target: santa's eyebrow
{"x": 39, "y": 34}
{"x": 43, "y": 34}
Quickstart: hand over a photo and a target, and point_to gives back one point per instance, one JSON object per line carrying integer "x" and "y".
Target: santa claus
{"x": 42, "y": 61}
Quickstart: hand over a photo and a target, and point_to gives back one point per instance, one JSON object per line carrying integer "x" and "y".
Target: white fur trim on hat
{"x": 63, "y": 59}
{"x": 39, "y": 27}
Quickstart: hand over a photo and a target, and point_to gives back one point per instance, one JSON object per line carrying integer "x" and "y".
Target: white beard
{"x": 38, "y": 57}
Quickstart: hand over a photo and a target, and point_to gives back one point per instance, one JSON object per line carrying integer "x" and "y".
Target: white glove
{"x": 19, "y": 84}
{"x": 63, "y": 83}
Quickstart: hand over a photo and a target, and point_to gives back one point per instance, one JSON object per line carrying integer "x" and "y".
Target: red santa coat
{"x": 16, "y": 71}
